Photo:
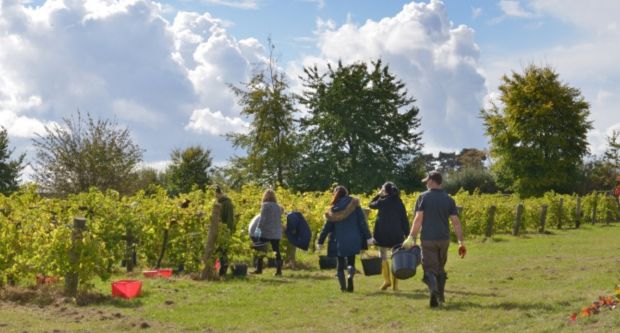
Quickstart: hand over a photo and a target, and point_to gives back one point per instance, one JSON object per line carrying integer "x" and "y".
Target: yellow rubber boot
{"x": 385, "y": 272}
{"x": 394, "y": 283}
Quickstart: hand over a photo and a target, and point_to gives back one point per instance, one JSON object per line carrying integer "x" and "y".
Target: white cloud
{"x": 241, "y": 4}
{"x": 599, "y": 15}
{"x": 320, "y": 3}
{"x": 437, "y": 60}
{"x": 215, "y": 123}
{"x": 476, "y": 12}
{"x": 121, "y": 59}
{"x": 21, "y": 126}
{"x": 513, "y": 8}
{"x": 160, "y": 166}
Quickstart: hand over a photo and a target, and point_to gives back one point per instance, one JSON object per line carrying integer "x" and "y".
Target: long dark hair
{"x": 339, "y": 192}
{"x": 391, "y": 189}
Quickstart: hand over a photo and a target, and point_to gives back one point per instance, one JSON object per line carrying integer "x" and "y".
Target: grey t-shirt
{"x": 437, "y": 206}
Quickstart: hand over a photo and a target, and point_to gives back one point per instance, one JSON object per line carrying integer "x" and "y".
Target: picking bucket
{"x": 405, "y": 261}
{"x": 260, "y": 246}
{"x": 371, "y": 265}
{"x": 126, "y": 288}
{"x": 240, "y": 270}
{"x": 326, "y": 262}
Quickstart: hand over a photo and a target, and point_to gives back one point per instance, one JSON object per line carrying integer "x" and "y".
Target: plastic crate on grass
{"x": 126, "y": 288}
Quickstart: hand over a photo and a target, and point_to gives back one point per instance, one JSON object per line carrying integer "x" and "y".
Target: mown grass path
{"x": 524, "y": 284}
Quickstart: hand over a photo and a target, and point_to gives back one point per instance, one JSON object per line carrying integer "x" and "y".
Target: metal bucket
{"x": 404, "y": 262}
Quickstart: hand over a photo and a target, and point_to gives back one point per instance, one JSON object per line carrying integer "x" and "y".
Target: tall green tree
{"x": 538, "y": 134}
{"x": 271, "y": 141}
{"x": 84, "y": 153}
{"x": 10, "y": 170}
{"x": 190, "y": 167}
{"x": 361, "y": 128}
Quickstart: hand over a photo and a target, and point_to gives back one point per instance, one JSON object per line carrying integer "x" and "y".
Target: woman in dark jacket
{"x": 391, "y": 227}
{"x": 347, "y": 223}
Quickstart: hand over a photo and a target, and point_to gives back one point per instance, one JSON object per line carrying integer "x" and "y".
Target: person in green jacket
{"x": 228, "y": 218}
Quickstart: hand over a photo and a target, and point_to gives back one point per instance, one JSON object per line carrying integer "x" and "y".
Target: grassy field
{"x": 527, "y": 284}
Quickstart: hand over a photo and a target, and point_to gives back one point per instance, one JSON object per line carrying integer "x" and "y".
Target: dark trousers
{"x": 343, "y": 262}
{"x": 435, "y": 255}
{"x": 275, "y": 246}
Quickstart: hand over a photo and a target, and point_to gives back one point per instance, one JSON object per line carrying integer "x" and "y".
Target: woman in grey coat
{"x": 270, "y": 227}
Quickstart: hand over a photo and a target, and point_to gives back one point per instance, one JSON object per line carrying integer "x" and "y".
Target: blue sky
{"x": 162, "y": 68}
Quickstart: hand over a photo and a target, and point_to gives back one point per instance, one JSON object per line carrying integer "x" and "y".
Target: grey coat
{"x": 271, "y": 220}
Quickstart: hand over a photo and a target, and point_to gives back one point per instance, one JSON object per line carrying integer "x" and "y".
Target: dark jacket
{"x": 392, "y": 225}
{"x": 227, "y": 213}
{"x": 347, "y": 223}
{"x": 298, "y": 231}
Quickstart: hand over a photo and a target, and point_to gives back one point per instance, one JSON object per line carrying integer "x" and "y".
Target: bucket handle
{"x": 399, "y": 247}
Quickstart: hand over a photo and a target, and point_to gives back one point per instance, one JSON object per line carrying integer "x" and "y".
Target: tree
{"x": 361, "y": 127}
{"x": 538, "y": 135}
{"x": 85, "y": 153}
{"x": 471, "y": 158}
{"x": 10, "y": 170}
{"x": 470, "y": 179}
{"x": 148, "y": 179}
{"x": 189, "y": 168}
{"x": 612, "y": 154}
{"x": 271, "y": 142}
{"x": 599, "y": 173}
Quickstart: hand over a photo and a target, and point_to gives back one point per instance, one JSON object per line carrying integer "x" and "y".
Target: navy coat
{"x": 298, "y": 231}
{"x": 392, "y": 225}
{"x": 347, "y": 224}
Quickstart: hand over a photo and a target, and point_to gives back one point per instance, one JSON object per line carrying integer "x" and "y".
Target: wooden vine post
{"x": 130, "y": 250}
{"x": 72, "y": 276}
{"x": 594, "y": 207}
{"x": 490, "y": 221}
{"x": 561, "y": 213}
{"x": 518, "y": 219}
{"x": 543, "y": 219}
{"x": 578, "y": 212}
{"x": 208, "y": 272}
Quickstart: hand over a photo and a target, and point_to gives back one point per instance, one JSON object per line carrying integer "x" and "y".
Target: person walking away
{"x": 227, "y": 217}
{"x": 270, "y": 226}
{"x": 347, "y": 223}
{"x": 391, "y": 227}
{"x": 433, "y": 209}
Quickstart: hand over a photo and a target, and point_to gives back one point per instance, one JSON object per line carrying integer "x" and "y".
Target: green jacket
{"x": 227, "y": 213}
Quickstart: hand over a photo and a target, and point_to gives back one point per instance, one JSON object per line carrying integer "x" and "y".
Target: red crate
{"x": 126, "y": 288}
{"x": 165, "y": 272}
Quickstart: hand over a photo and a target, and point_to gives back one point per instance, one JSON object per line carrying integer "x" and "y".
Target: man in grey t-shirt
{"x": 433, "y": 209}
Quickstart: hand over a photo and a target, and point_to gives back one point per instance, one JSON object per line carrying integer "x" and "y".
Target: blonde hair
{"x": 269, "y": 196}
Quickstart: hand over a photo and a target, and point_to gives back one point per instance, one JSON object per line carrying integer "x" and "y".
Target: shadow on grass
{"x": 412, "y": 295}
{"x": 471, "y": 293}
{"x": 310, "y": 276}
{"x": 467, "y": 305}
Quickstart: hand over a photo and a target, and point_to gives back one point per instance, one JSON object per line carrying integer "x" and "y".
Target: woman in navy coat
{"x": 391, "y": 227}
{"x": 347, "y": 223}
